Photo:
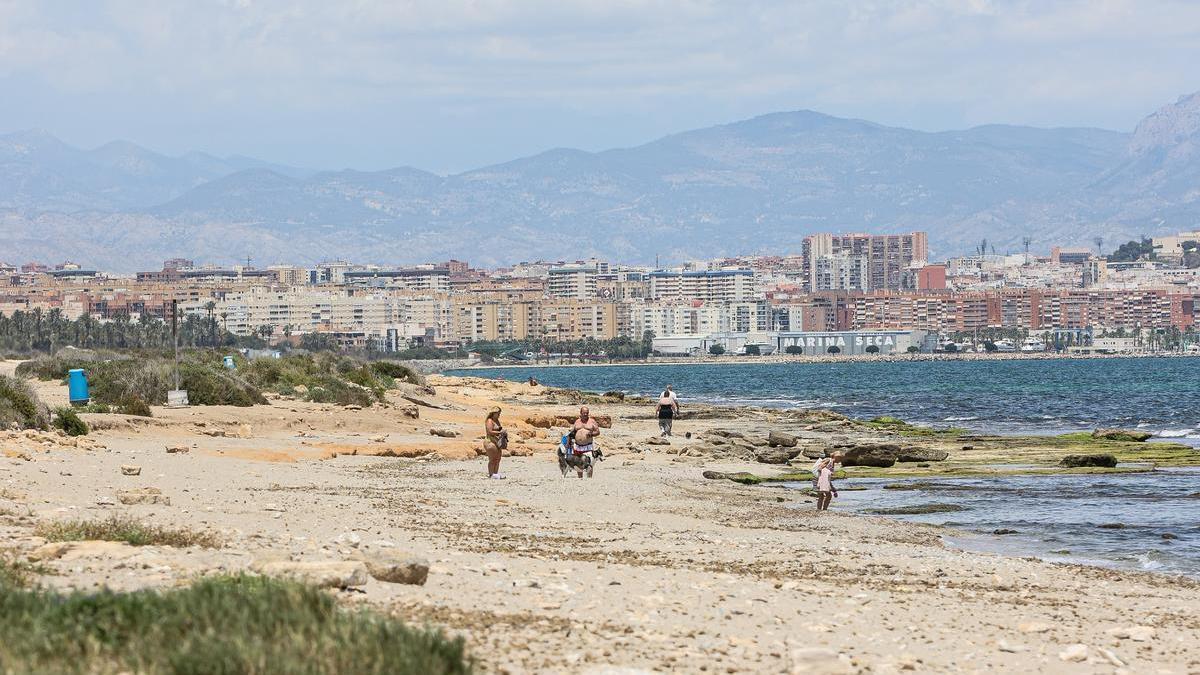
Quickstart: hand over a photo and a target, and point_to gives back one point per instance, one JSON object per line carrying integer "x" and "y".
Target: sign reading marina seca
{"x": 840, "y": 341}
{"x": 851, "y": 342}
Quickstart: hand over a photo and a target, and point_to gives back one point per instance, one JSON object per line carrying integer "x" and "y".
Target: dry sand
{"x": 646, "y": 567}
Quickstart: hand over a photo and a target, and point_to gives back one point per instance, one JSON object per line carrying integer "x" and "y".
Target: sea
{"x": 1145, "y": 521}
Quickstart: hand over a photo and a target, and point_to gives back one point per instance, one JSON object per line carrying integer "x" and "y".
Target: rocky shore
{"x": 650, "y": 566}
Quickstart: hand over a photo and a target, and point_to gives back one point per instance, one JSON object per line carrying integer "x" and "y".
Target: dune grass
{"x": 227, "y": 624}
{"x": 20, "y": 407}
{"x": 128, "y": 530}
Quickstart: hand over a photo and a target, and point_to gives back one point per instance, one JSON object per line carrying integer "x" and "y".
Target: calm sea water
{"x": 1060, "y": 517}
{"x": 1161, "y": 395}
{"x": 1057, "y": 517}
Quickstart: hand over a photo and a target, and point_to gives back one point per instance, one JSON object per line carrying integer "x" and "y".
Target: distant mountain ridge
{"x": 754, "y": 186}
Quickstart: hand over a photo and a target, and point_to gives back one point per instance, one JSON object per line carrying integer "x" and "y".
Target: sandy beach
{"x": 647, "y": 567}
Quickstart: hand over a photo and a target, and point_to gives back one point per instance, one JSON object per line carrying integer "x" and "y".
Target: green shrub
{"x": 226, "y": 624}
{"x": 208, "y": 384}
{"x": 120, "y": 528}
{"x": 20, "y": 407}
{"x": 66, "y": 419}
{"x": 131, "y": 404}
{"x": 397, "y": 371}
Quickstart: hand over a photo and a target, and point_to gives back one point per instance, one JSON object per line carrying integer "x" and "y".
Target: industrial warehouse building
{"x": 810, "y": 342}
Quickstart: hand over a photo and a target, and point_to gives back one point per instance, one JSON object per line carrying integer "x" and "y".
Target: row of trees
{"x": 37, "y": 331}
{"x": 617, "y": 348}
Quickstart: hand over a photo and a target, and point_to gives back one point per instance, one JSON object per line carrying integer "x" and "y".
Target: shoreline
{"x": 800, "y": 359}
{"x": 649, "y": 565}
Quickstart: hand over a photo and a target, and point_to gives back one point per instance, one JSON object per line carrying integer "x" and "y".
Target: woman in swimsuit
{"x": 497, "y": 439}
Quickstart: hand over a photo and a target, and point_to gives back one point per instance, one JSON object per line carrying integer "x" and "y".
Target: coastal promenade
{"x": 649, "y": 566}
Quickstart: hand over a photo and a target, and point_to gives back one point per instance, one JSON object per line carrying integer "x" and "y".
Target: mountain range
{"x": 754, "y": 186}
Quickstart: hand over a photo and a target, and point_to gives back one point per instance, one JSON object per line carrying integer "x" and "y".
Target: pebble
{"x": 131, "y": 470}
{"x": 1135, "y": 633}
{"x": 1074, "y": 654}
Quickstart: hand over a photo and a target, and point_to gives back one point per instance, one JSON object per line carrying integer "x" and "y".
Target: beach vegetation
{"x": 872, "y": 349}
{"x": 793, "y": 349}
{"x": 120, "y": 379}
{"x": 20, "y": 406}
{"x": 219, "y": 624}
{"x": 716, "y": 350}
{"x": 834, "y": 349}
{"x": 125, "y": 529}
{"x": 68, "y": 421}
{"x": 913, "y": 349}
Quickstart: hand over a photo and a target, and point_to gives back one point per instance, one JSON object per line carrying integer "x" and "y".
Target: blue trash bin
{"x": 229, "y": 363}
{"x": 77, "y": 387}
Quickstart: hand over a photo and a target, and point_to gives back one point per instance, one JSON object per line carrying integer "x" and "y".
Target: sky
{"x": 450, "y": 85}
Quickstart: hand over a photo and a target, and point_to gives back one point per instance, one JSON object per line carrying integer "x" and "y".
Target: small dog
{"x": 584, "y": 463}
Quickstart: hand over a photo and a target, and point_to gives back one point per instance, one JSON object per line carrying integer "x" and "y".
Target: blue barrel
{"x": 77, "y": 386}
{"x": 229, "y": 363}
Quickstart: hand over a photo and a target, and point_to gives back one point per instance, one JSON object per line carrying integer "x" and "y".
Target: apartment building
{"x": 725, "y": 285}
{"x": 861, "y": 262}
{"x": 427, "y": 280}
{"x": 572, "y": 281}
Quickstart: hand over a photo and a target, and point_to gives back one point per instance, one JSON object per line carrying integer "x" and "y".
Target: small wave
{"x": 968, "y": 418}
{"x": 1176, "y": 433}
{"x": 1145, "y": 562}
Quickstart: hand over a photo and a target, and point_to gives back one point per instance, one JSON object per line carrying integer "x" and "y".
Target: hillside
{"x": 758, "y": 185}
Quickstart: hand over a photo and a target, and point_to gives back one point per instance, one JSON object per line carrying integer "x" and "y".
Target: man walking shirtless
{"x": 584, "y": 433}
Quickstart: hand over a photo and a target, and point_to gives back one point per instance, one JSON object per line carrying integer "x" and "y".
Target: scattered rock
{"x": 820, "y": 660}
{"x": 812, "y": 453}
{"x": 881, "y": 455}
{"x": 1135, "y": 633}
{"x": 1004, "y": 530}
{"x": 412, "y": 412}
{"x": 1111, "y": 526}
{"x": 1127, "y": 435}
{"x": 327, "y": 574}
{"x": 921, "y": 455}
{"x": 52, "y": 551}
{"x": 1034, "y": 627}
{"x": 1169, "y": 536}
{"x": 1111, "y": 656}
{"x": 131, "y": 470}
{"x": 244, "y": 431}
{"x": 657, "y": 440}
{"x": 742, "y": 477}
{"x": 395, "y": 568}
{"x": 178, "y": 449}
{"x": 1075, "y": 653}
{"x": 774, "y": 455}
{"x": 1101, "y": 460}
{"x": 918, "y": 509}
{"x": 540, "y": 421}
{"x": 443, "y": 433}
{"x": 781, "y": 439}
{"x": 145, "y": 495}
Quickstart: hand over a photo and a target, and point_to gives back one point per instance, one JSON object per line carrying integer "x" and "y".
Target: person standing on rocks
{"x": 668, "y": 407}
{"x": 825, "y": 489}
{"x": 495, "y": 443}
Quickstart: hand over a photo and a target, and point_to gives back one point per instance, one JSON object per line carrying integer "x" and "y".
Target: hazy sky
{"x": 449, "y": 85}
